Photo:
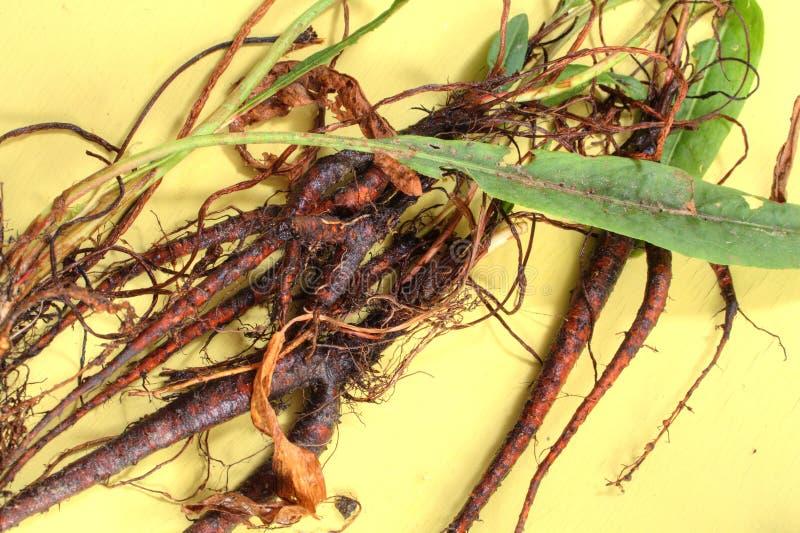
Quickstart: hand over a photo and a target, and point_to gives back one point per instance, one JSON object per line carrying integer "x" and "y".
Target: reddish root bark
{"x": 307, "y": 193}
{"x": 195, "y": 411}
{"x": 236, "y": 227}
{"x": 357, "y": 237}
{"x": 360, "y": 192}
{"x": 177, "y": 313}
{"x": 364, "y": 233}
{"x": 659, "y": 275}
{"x": 190, "y": 413}
{"x": 588, "y": 299}
{"x": 215, "y": 318}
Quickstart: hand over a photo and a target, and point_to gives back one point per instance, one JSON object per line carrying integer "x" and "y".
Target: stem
{"x": 233, "y": 103}
{"x": 30, "y": 249}
{"x": 640, "y": 40}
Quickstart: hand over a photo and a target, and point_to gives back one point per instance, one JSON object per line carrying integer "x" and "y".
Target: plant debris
{"x": 362, "y": 257}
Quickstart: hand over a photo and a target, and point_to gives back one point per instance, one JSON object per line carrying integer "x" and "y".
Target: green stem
{"x": 232, "y": 104}
{"x": 66, "y": 207}
{"x": 321, "y": 57}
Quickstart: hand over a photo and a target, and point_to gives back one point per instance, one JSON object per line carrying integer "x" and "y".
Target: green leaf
{"x": 693, "y": 151}
{"x": 629, "y": 85}
{"x": 656, "y": 203}
{"x": 506, "y": 207}
{"x": 516, "y": 45}
{"x": 633, "y": 88}
{"x": 653, "y": 202}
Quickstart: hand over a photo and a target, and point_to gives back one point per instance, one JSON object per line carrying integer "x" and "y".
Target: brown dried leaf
{"x": 234, "y": 503}
{"x": 261, "y": 411}
{"x": 783, "y": 164}
{"x": 275, "y": 511}
{"x": 402, "y": 177}
{"x": 290, "y": 514}
{"x": 299, "y": 473}
{"x": 349, "y": 104}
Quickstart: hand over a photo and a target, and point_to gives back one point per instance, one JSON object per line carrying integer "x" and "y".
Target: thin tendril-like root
{"x": 65, "y": 126}
{"x": 244, "y": 31}
{"x": 785, "y": 159}
{"x": 725, "y": 282}
{"x": 591, "y": 294}
{"x": 501, "y": 49}
{"x": 659, "y": 275}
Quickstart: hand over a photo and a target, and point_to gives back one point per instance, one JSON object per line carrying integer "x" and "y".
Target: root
{"x": 588, "y": 299}
{"x": 659, "y": 275}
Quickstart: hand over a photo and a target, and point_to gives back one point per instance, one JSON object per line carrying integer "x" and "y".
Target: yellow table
{"x": 731, "y": 466}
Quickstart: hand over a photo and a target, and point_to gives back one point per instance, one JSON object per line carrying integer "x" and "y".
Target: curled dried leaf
{"x": 348, "y": 104}
{"x": 299, "y": 473}
{"x": 402, "y": 177}
{"x": 275, "y": 511}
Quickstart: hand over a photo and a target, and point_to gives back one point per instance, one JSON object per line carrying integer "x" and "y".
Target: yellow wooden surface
{"x": 731, "y": 466}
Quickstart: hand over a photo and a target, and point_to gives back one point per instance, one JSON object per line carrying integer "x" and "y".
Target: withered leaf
{"x": 402, "y": 177}
{"x": 299, "y": 473}
{"x": 275, "y": 511}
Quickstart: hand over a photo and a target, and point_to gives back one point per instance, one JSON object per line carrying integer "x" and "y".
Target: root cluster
{"x": 356, "y": 261}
